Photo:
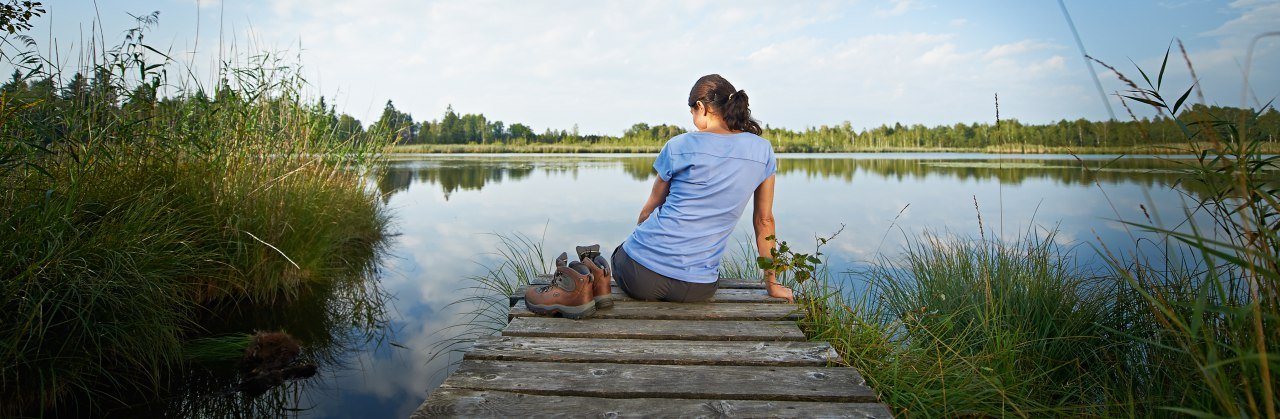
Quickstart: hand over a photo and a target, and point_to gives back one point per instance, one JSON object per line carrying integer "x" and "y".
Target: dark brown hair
{"x": 718, "y": 94}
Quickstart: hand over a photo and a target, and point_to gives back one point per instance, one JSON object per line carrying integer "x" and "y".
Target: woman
{"x": 705, "y": 179}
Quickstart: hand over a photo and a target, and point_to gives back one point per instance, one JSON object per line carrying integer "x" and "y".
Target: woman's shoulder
{"x": 680, "y": 142}
{"x": 695, "y": 136}
{"x": 740, "y": 144}
{"x": 756, "y": 141}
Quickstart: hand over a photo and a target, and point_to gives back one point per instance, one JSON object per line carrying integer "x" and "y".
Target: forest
{"x": 49, "y": 95}
{"x": 476, "y": 129}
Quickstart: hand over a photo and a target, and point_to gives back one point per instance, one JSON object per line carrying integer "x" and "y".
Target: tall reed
{"x": 1215, "y": 331}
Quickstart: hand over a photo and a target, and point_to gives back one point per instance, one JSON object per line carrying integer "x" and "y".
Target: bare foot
{"x": 776, "y": 290}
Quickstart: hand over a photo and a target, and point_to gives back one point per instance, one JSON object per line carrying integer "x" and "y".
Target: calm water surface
{"x": 446, "y": 209}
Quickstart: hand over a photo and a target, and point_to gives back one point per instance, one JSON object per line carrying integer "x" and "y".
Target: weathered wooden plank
{"x": 453, "y": 402}
{"x": 664, "y": 381}
{"x": 732, "y": 283}
{"x": 740, "y": 283}
{"x": 686, "y": 311}
{"x": 723, "y": 295}
{"x": 666, "y": 352}
{"x": 654, "y": 329}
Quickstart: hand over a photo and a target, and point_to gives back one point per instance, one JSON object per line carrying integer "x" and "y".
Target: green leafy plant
{"x": 787, "y": 263}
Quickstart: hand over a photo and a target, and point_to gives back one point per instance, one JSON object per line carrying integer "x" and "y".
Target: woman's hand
{"x": 644, "y": 215}
{"x": 777, "y": 290}
{"x": 657, "y": 196}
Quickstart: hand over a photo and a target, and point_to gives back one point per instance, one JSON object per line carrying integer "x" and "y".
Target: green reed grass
{"x": 216, "y": 348}
{"x": 128, "y": 214}
{"x": 1021, "y": 329}
{"x": 959, "y": 327}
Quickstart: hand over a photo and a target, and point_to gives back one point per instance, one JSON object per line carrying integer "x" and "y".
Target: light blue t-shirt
{"x": 712, "y": 177}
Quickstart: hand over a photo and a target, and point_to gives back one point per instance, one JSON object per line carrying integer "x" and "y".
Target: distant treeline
{"x": 453, "y": 129}
{"x": 476, "y": 129}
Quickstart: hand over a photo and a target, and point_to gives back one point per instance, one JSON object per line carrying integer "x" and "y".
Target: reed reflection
{"x": 333, "y": 321}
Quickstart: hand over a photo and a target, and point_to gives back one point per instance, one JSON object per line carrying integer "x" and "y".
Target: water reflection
{"x": 451, "y": 176}
{"x": 1007, "y": 171}
{"x": 334, "y": 322}
{"x": 453, "y": 173}
{"x": 593, "y": 198}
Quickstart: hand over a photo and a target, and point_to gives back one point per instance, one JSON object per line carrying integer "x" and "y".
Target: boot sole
{"x": 603, "y": 301}
{"x": 569, "y": 312}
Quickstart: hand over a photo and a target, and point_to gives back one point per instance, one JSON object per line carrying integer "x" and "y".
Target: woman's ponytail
{"x": 731, "y": 104}
{"x": 737, "y": 113}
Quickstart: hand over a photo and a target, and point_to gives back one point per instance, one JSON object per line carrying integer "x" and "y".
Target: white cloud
{"x": 898, "y": 8}
{"x": 1256, "y": 17}
{"x": 943, "y": 54}
{"x": 902, "y": 76}
{"x": 1220, "y": 65}
{"x": 1016, "y": 48}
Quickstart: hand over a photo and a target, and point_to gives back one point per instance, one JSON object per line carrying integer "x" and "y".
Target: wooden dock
{"x": 739, "y": 355}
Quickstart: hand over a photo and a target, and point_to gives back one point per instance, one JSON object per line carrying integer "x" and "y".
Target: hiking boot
{"x": 586, "y": 253}
{"x": 569, "y": 294}
{"x": 601, "y": 279}
{"x": 562, "y": 260}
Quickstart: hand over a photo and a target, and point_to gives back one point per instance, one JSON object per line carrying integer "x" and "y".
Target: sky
{"x": 602, "y": 66}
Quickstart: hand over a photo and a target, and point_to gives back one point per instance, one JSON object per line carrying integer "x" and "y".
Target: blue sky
{"x": 605, "y": 65}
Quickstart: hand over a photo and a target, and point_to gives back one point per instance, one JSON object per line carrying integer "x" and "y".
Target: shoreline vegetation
{"x": 475, "y": 133}
{"x": 1153, "y": 149}
{"x": 142, "y": 214}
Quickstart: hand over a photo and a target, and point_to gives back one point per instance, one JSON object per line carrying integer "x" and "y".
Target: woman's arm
{"x": 762, "y": 220}
{"x": 656, "y": 197}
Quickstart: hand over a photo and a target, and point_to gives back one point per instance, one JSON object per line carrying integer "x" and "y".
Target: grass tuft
{"x": 132, "y": 206}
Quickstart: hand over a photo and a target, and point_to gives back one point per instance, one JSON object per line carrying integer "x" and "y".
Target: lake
{"x": 448, "y": 208}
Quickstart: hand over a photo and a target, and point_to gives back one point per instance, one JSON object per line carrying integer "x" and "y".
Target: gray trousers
{"x": 643, "y": 284}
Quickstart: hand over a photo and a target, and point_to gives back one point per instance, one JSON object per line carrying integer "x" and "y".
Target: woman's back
{"x": 712, "y": 177}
